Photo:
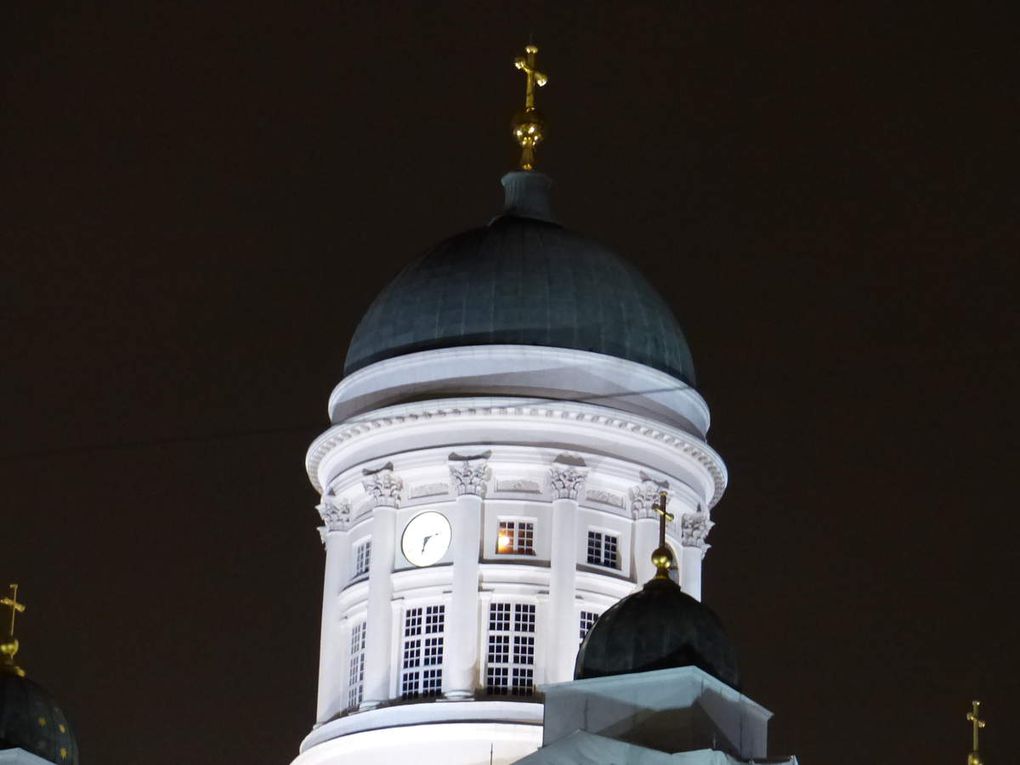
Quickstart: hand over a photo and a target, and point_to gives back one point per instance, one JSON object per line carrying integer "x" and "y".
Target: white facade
{"x": 542, "y": 464}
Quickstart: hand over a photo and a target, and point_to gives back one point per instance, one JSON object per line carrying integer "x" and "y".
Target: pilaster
{"x": 694, "y": 528}
{"x": 646, "y": 525}
{"x": 383, "y": 488}
{"x": 566, "y": 482}
{"x": 334, "y": 531}
{"x": 468, "y": 477}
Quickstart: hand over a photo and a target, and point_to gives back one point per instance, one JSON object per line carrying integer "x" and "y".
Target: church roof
{"x": 522, "y": 280}
{"x": 658, "y": 627}
{"x": 31, "y": 720}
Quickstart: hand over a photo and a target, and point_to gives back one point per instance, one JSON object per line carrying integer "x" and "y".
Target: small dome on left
{"x": 31, "y": 720}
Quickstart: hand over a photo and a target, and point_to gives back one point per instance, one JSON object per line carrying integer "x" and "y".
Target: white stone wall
{"x": 567, "y": 464}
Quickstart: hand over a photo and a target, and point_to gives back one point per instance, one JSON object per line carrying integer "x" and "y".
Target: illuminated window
{"x": 516, "y": 538}
{"x": 603, "y": 549}
{"x": 362, "y": 558}
{"x": 421, "y": 668}
{"x": 510, "y": 660}
{"x": 588, "y": 619}
{"x": 356, "y": 674}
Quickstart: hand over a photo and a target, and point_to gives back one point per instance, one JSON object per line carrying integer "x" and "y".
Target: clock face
{"x": 425, "y": 538}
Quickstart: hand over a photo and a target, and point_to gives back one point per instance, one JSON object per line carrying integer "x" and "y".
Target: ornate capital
{"x": 383, "y": 486}
{"x": 469, "y": 474}
{"x": 644, "y": 496}
{"x": 694, "y": 528}
{"x": 567, "y": 476}
{"x": 335, "y": 514}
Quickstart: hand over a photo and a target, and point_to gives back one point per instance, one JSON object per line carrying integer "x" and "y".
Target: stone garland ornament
{"x": 470, "y": 474}
{"x": 383, "y": 486}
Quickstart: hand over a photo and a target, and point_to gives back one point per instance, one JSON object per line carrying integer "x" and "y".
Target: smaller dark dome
{"x": 658, "y": 627}
{"x": 31, "y": 720}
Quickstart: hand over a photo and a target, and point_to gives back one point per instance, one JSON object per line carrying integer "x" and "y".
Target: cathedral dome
{"x": 658, "y": 627}
{"x": 31, "y": 720}
{"x": 522, "y": 280}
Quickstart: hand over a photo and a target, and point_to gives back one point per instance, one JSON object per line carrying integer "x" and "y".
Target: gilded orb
{"x": 662, "y": 559}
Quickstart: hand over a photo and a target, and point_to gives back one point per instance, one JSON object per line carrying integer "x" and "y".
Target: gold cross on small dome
{"x": 663, "y": 556}
{"x": 974, "y": 718}
{"x": 9, "y": 645}
{"x": 11, "y": 601}
{"x": 529, "y": 125}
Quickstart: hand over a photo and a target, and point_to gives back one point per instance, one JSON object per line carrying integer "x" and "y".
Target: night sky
{"x": 198, "y": 204}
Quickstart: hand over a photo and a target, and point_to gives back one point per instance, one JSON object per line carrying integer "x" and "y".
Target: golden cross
{"x": 660, "y": 508}
{"x": 974, "y": 717}
{"x": 11, "y": 602}
{"x": 527, "y": 65}
{"x": 662, "y": 556}
{"x": 528, "y": 126}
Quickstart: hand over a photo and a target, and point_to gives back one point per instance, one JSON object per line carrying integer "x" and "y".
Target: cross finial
{"x": 663, "y": 556}
{"x": 9, "y": 645}
{"x": 11, "y": 601}
{"x": 529, "y": 125}
{"x": 974, "y": 718}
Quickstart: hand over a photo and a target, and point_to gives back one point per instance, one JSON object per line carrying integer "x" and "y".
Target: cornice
{"x": 446, "y": 411}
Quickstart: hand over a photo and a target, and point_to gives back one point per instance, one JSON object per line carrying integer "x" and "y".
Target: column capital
{"x": 469, "y": 474}
{"x": 644, "y": 496}
{"x": 694, "y": 528}
{"x": 567, "y": 476}
{"x": 383, "y": 486}
{"x": 335, "y": 514}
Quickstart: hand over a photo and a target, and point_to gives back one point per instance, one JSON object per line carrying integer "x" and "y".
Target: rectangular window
{"x": 516, "y": 538}
{"x": 510, "y": 659}
{"x": 603, "y": 549}
{"x": 362, "y": 558}
{"x": 588, "y": 619}
{"x": 356, "y": 674}
{"x": 421, "y": 666}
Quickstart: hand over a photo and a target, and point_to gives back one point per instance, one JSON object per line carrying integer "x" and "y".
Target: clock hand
{"x": 425, "y": 541}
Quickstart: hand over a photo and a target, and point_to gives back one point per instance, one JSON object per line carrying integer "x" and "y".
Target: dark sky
{"x": 199, "y": 202}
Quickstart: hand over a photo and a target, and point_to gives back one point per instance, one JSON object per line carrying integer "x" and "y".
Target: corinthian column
{"x": 335, "y": 522}
{"x": 694, "y": 528}
{"x": 383, "y": 488}
{"x": 566, "y": 481}
{"x": 468, "y": 476}
{"x": 646, "y": 525}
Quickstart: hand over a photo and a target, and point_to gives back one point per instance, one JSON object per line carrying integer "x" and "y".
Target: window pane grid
{"x": 362, "y": 558}
{"x": 603, "y": 549}
{"x": 356, "y": 669}
{"x": 588, "y": 619}
{"x": 421, "y": 668}
{"x": 515, "y": 538}
{"x": 509, "y": 667}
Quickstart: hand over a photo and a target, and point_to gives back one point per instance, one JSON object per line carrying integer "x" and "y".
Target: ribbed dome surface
{"x": 31, "y": 720}
{"x": 522, "y": 281}
{"x": 658, "y": 627}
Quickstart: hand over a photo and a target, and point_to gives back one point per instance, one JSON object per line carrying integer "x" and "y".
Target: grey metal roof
{"x": 657, "y": 627}
{"x": 31, "y": 720}
{"x": 522, "y": 280}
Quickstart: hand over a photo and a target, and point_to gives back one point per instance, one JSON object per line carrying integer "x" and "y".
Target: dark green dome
{"x": 658, "y": 627}
{"x": 522, "y": 280}
{"x": 31, "y": 720}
